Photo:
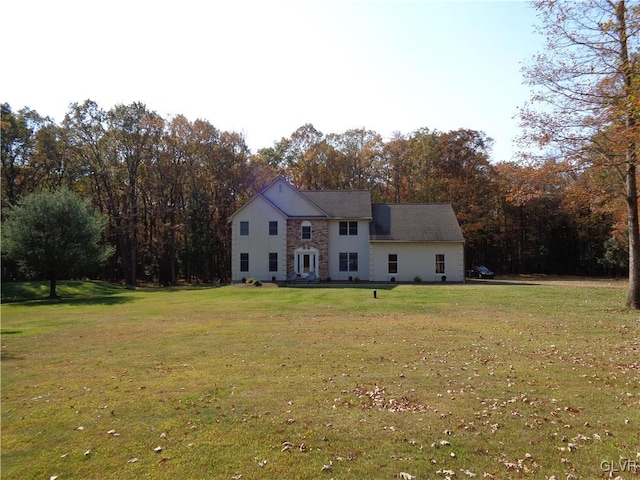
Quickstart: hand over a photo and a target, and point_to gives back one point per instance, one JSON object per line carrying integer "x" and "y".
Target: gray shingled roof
{"x": 342, "y": 203}
{"x": 415, "y": 223}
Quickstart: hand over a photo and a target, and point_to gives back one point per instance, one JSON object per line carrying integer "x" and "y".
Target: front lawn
{"x": 484, "y": 380}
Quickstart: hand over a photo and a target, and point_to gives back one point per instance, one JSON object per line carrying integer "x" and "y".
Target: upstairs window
{"x": 273, "y": 228}
{"x": 306, "y": 230}
{"x": 348, "y": 228}
{"x": 244, "y": 229}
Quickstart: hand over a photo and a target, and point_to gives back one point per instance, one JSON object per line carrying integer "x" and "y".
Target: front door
{"x": 306, "y": 261}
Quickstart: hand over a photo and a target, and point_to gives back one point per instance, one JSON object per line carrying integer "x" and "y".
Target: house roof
{"x": 415, "y": 223}
{"x": 342, "y": 203}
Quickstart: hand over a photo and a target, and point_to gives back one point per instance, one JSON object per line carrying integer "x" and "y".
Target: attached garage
{"x": 415, "y": 241}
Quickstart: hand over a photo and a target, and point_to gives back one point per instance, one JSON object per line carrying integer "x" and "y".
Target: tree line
{"x": 168, "y": 186}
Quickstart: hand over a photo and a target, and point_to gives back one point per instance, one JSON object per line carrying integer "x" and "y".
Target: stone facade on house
{"x": 319, "y": 241}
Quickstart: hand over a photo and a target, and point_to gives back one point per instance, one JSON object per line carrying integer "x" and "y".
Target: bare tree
{"x": 584, "y": 106}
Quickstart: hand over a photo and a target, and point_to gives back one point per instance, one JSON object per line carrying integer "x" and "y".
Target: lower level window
{"x": 393, "y": 263}
{"x": 273, "y": 262}
{"x": 349, "y": 262}
{"x": 440, "y": 263}
{"x": 244, "y": 262}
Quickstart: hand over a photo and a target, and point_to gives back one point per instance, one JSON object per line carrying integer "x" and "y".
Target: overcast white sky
{"x": 266, "y": 67}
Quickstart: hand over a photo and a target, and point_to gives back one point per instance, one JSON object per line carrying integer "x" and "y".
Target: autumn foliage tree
{"x": 168, "y": 186}
{"x": 585, "y": 105}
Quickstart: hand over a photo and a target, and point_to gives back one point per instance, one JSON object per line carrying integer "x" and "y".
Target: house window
{"x": 273, "y": 262}
{"x": 306, "y": 230}
{"x": 273, "y": 228}
{"x": 348, "y": 228}
{"x": 393, "y": 263}
{"x": 439, "y": 262}
{"x": 244, "y": 262}
{"x": 349, "y": 262}
{"x": 244, "y": 229}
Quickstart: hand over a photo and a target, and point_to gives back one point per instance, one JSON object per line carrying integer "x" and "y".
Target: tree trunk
{"x": 52, "y": 289}
{"x": 633, "y": 294}
{"x": 630, "y": 112}
{"x": 630, "y": 109}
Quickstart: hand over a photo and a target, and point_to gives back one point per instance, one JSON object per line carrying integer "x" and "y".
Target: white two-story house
{"x": 283, "y": 233}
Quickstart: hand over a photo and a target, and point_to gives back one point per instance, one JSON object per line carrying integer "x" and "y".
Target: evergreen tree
{"x": 51, "y": 234}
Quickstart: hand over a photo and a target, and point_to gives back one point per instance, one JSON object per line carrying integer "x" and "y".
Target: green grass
{"x": 71, "y": 289}
{"x": 514, "y": 380}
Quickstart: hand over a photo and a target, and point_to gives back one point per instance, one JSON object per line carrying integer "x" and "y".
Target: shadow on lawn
{"x": 76, "y": 301}
{"x": 510, "y": 282}
{"x": 79, "y": 293}
{"x": 5, "y": 356}
{"x": 82, "y": 302}
{"x": 336, "y": 285}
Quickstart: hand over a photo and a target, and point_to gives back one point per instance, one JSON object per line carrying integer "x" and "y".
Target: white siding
{"x": 349, "y": 244}
{"x": 258, "y": 244}
{"x": 417, "y": 260}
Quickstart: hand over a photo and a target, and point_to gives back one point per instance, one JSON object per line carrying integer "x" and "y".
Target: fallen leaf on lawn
{"x": 132, "y": 460}
{"x": 512, "y": 466}
{"x": 446, "y": 473}
{"x": 406, "y": 476}
{"x": 286, "y": 446}
{"x": 158, "y": 449}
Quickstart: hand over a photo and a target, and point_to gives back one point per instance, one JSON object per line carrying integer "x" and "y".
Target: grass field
{"x": 505, "y": 379}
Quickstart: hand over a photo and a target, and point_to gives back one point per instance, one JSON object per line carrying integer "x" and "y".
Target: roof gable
{"x": 257, "y": 199}
{"x": 415, "y": 223}
{"x": 290, "y": 201}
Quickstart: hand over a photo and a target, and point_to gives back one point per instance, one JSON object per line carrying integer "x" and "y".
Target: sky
{"x": 264, "y": 68}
